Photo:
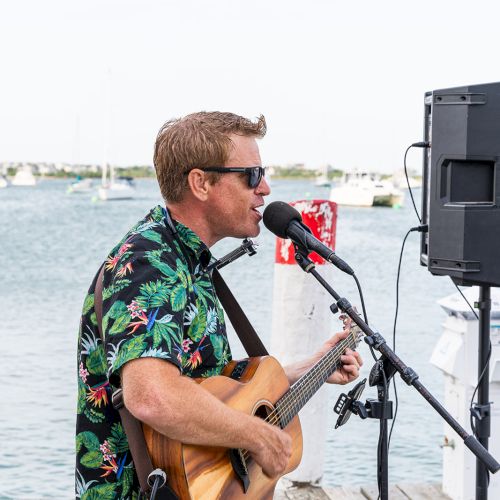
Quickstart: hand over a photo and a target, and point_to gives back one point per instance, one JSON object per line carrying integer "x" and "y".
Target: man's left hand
{"x": 349, "y": 371}
{"x": 351, "y": 361}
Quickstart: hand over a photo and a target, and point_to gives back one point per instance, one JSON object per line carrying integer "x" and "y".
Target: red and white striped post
{"x": 301, "y": 322}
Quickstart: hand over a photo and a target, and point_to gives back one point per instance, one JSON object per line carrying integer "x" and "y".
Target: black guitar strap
{"x": 241, "y": 324}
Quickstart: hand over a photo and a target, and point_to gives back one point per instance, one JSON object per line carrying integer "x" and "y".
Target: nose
{"x": 263, "y": 188}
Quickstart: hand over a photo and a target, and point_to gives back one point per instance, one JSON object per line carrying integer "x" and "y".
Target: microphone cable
{"x": 365, "y": 317}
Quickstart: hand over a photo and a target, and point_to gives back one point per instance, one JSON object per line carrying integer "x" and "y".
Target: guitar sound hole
{"x": 263, "y": 412}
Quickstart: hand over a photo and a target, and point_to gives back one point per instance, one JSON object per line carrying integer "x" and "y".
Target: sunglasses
{"x": 254, "y": 174}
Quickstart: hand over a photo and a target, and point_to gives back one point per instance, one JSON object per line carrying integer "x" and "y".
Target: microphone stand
{"x": 392, "y": 364}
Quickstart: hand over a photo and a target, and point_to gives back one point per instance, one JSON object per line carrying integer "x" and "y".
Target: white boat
{"x": 80, "y": 185}
{"x": 399, "y": 180}
{"x": 24, "y": 177}
{"x": 3, "y": 181}
{"x": 322, "y": 180}
{"x": 121, "y": 188}
{"x": 364, "y": 189}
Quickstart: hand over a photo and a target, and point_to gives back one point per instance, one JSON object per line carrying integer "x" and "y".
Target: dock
{"x": 403, "y": 491}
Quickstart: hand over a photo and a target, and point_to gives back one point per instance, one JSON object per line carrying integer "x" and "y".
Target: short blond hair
{"x": 197, "y": 140}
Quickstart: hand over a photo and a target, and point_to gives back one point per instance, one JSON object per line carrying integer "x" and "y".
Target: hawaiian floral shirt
{"x": 154, "y": 305}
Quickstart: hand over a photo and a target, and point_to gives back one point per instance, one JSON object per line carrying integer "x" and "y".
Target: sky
{"x": 339, "y": 82}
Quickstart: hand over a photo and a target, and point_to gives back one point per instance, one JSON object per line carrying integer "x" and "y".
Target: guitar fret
{"x": 300, "y": 393}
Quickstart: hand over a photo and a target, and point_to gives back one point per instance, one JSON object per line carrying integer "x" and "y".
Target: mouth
{"x": 258, "y": 210}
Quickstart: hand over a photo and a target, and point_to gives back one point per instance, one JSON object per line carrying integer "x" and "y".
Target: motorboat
{"x": 363, "y": 189}
{"x": 119, "y": 188}
{"x": 24, "y": 177}
{"x": 80, "y": 185}
{"x": 3, "y": 181}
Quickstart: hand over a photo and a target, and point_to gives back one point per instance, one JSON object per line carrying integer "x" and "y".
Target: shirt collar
{"x": 188, "y": 237}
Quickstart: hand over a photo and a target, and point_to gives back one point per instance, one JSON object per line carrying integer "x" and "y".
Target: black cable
{"x": 394, "y": 330}
{"x": 361, "y": 298}
{"x": 472, "y": 426}
{"x": 365, "y": 317}
{"x": 380, "y": 451}
{"x": 379, "y": 447}
{"x": 471, "y": 417}
{"x": 414, "y": 145}
{"x": 465, "y": 298}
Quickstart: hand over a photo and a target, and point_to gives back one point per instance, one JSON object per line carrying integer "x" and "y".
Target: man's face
{"x": 233, "y": 204}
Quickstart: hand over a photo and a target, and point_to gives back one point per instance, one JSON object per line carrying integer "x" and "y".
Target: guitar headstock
{"x": 355, "y": 331}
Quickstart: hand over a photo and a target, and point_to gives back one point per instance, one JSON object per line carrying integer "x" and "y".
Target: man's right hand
{"x": 272, "y": 449}
{"x": 156, "y": 393}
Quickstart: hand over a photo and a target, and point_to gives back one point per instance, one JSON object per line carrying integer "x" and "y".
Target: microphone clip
{"x": 302, "y": 258}
{"x": 247, "y": 247}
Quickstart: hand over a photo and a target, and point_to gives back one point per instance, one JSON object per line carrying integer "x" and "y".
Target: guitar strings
{"x": 307, "y": 381}
{"x": 336, "y": 352}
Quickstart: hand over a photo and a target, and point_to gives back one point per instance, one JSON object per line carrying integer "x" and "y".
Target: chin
{"x": 254, "y": 233}
{"x": 249, "y": 233}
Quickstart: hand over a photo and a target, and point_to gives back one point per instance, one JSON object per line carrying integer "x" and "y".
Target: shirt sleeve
{"x": 144, "y": 308}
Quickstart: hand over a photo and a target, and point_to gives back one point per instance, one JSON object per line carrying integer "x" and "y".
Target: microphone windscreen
{"x": 277, "y": 217}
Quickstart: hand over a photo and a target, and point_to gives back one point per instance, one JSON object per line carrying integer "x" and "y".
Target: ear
{"x": 198, "y": 184}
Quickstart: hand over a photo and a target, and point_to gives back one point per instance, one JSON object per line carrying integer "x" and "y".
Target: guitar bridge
{"x": 240, "y": 467}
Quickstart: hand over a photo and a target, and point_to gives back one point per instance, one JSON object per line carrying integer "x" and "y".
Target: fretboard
{"x": 303, "y": 390}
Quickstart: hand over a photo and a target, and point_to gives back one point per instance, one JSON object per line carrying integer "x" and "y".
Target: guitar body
{"x": 201, "y": 472}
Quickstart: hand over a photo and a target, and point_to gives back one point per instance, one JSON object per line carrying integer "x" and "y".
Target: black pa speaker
{"x": 461, "y": 184}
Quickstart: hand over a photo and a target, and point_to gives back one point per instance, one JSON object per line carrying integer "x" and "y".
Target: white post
{"x": 456, "y": 355}
{"x": 301, "y": 322}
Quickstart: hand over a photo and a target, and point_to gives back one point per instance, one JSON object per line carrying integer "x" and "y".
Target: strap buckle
{"x": 157, "y": 474}
{"x": 117, "y": 399}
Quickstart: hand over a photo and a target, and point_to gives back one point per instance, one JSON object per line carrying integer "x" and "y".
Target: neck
{"x": 192, "y": 216}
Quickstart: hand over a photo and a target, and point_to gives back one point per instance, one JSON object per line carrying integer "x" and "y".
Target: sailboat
{"x": 24, "y": 177}
{"x": 322, "y": 180}
{"x": 80, "y": 185}
{"x": 121, "y": 188}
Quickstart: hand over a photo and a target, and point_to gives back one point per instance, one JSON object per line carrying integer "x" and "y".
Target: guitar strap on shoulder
{"x": 145, "y": 471}
{"x": 246, "y": 332}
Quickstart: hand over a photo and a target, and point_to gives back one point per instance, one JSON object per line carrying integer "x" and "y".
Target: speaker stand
{"x": 481, "y": 411}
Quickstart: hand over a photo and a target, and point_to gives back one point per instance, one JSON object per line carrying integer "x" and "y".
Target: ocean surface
{"x": 53, "y": 243}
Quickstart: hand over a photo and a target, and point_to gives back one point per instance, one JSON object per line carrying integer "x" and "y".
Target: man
{"x": 164, "y": 326}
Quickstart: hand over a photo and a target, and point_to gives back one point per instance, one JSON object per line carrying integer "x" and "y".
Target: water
{"x": 53, "y": 243}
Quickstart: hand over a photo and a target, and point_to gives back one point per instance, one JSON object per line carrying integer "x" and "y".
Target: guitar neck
{"x": 305, "y": 388}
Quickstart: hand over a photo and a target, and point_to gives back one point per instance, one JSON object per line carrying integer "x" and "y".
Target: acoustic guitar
{"x": 256, "y": 386}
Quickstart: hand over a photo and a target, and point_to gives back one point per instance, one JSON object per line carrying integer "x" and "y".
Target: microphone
{"x": 286, "y": 222}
